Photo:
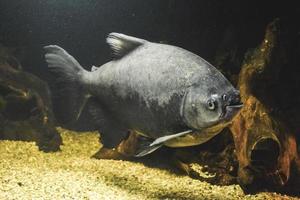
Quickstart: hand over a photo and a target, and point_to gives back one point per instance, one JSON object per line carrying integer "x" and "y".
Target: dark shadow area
{"x": 25, "y": 109}
{"x": 215, "y": 157}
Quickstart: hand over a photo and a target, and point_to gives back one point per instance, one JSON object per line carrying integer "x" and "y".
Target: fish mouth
{"x": 235, "y": 106}
{"x": 231, "y": 111}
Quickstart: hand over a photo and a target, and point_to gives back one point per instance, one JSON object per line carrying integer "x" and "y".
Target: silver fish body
{"x": 157, "y": 90}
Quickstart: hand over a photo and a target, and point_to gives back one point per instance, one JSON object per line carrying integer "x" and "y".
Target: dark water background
{"x": 204, "y": 27}
{"x": 80, "y": 26}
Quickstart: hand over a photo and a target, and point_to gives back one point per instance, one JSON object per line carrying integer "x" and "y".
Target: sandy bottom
{"x": 26, "y": 173}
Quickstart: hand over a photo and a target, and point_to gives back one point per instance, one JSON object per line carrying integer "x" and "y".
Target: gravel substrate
{"x": 26, "y": 173}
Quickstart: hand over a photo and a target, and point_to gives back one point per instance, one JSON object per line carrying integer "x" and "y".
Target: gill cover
{"x": 201, "y": 109}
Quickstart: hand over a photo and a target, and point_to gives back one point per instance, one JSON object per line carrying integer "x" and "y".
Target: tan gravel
{"x": 26, "y": 173}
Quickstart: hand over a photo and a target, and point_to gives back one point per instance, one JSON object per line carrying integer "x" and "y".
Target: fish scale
{"x": 165, "y": 93}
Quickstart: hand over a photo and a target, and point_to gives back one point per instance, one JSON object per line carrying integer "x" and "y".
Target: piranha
{"x": 164, "y": 93}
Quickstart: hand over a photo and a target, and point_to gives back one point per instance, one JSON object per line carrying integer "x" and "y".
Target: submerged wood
{"x": 25, "y": 108}
{"x": 265, "y": 146}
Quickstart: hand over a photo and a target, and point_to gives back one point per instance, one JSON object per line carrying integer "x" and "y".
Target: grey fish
{"x": 165, "y": 93}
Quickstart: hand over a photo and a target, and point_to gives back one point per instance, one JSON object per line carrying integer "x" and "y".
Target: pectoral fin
{"x": 143, "y": 147}
{"x": 148, "y": 150}
{"x": 147, "y": 145}
{"x": 168, "y": 137}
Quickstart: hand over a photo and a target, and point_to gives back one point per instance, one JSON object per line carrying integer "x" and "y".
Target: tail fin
{"x": 69, "y": 92}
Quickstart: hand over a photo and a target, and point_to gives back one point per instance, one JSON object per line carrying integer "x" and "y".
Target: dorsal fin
{"x": 121, "y": 44}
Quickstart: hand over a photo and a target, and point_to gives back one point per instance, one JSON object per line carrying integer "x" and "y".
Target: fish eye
{"x": 211, "y": 104}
